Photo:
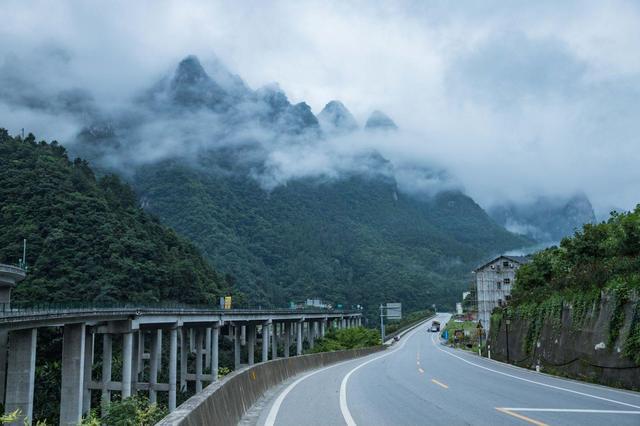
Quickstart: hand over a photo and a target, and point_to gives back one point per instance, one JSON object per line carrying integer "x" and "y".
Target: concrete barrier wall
{"x": 226, "y": 401}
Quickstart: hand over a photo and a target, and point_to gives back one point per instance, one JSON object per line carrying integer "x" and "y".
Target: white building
{"x": 494, "y": 281}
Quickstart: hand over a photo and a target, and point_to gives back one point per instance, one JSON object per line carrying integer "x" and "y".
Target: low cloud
{"x": 506, "y": 101}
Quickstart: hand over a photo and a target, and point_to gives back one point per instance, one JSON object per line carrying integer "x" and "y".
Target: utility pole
{"x": 382, "y": 322}
{"x": 508, "y": 321}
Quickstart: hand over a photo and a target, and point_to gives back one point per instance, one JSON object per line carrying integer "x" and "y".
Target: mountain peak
{"x": 378, "y": 120}
{"x": 190, "y": 71}
{"x": 336, "y": 118}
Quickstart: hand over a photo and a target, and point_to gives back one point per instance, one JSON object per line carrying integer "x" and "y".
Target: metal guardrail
{"x": 12, "y": 270}
{"x": 15, "y": 311}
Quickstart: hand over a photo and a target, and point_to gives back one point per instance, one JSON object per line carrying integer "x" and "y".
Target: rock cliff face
{"x": 575, "y": 342}
{"x": 545, "y": 219}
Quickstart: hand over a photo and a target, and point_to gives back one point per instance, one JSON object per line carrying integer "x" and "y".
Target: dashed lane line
{"x": 439, "y": 383}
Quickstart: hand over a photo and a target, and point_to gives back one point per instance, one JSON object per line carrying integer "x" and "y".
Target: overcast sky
{"x": 515, "y": 99}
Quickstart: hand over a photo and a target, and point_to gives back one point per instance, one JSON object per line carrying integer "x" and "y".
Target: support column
{"x": 287, "y": 338}
{"x": 140, "y": 356}
{"x": 274, "y": 340}
{"x": 243, "y": 335}
{"x": 127, "y": 367}
{"x": 154, "y": 358}
{"x": 236, "y": 346}
{"x": 266, "y": 335}
{"x": 173, "y": 367}
{"x": 215, "y": 336}
{"x": 312, "y": 333}
{"x": 72, "y": 389}
{"x": 183, "y": 359}
{"x": 21, "y": 371}
{"x": 251, "y": 334}
{"x": 199, "y": 339}
{"x": 88, "y": 369}
{"x": 299, "y": 338}
{"x": 323, "y": 324}
{"x": 344, "y": 323}
{"x": 4, "y": 339}
{"x": 207, "y": 346}
{"x": 135, "y": 361}
{"x": 107, "y": 348}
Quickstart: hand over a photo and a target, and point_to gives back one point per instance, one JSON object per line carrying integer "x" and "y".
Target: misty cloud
{"x": 507, "y": 101}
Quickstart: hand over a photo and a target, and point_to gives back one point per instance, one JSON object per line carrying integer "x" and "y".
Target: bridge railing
{"x": 16, "y": 309}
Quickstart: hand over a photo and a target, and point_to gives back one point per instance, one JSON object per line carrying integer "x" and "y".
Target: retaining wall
{"x": 226, "y": 401}
{"x": 574, "y": 350}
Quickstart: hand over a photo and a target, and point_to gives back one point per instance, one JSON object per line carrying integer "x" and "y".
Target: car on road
{"x": 435, "y": 326}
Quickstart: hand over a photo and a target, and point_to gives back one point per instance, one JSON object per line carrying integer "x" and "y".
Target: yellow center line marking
{"x": 420, "y": 370}
{"x": 521, "y": 417}
{"x": 440, "y": 383}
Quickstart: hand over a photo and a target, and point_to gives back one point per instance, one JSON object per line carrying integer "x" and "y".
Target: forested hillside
{"x": 356, "y": 240}
{"x": 88, "y": 240}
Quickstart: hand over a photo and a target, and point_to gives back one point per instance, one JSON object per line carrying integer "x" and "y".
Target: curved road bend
{"x": 419, "y": 381}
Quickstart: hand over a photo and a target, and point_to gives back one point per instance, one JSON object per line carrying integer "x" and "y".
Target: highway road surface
{"x": 418, "y": 381}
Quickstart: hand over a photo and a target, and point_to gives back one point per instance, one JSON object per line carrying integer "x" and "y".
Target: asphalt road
{"x": 419, "y": 381}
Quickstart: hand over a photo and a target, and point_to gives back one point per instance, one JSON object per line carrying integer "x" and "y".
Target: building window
{"x": 499, "y": 302}
{"x": 499, "y": 284}
{"x": 505, "y": 264}
{"x": 507, "y": 281}
{"x": 507, "y": 297}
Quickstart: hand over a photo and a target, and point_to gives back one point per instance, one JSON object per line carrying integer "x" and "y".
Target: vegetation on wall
{"x": 600, "y": 259}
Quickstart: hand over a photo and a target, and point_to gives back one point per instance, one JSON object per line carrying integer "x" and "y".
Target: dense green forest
{"x": 88, "y": 239}
{"x": 354, "y": 240}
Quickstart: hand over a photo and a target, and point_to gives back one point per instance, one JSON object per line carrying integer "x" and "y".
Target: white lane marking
{"x": 344, "y": 408}
{"x": 275, "y": 408}
{"x": 273, "y": 412}
{"x": 572, "y": 410}
{"x": 532, "y": 381}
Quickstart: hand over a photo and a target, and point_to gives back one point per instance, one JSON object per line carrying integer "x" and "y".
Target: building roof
{"x": 521, "y": 260}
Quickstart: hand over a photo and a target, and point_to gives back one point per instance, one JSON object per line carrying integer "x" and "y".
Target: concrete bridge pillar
{"x": 127, "y": 367}
{"x": 21, "y": 370}
{"x": 323, "y": 324}
{"x": 207, "y": 346}
{"x": 311, "y": 333}
{"x": 287, "y": 337}
{"x": 299, "y": 338}
{"x": 72, "y": 389}
{"x": 154, "y": 363}
{"x": 266, "y": 335}
{"x": 173, "y": 367}
{"x": 4, "y": 339}
{"x": 274, "y": 340}
{"x": 199, "y": 343}
{"x": 251, "y": 341}
{"x": 136, "y": 361}
{"x": 89, "y": 344}
{"x": 236, "y": 346}
{"x": 243, "y": 335}
{"x": 183, "y": 359}
{"x": 107, "y": 348}
{"x": 343, "y": 323}
{"x": 215, "y": 337}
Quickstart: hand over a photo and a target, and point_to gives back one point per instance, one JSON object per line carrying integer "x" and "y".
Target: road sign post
{"x": 391, "y": 311}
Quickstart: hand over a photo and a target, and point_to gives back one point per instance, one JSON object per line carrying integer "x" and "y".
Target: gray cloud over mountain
{"x": 513, "y": 99}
